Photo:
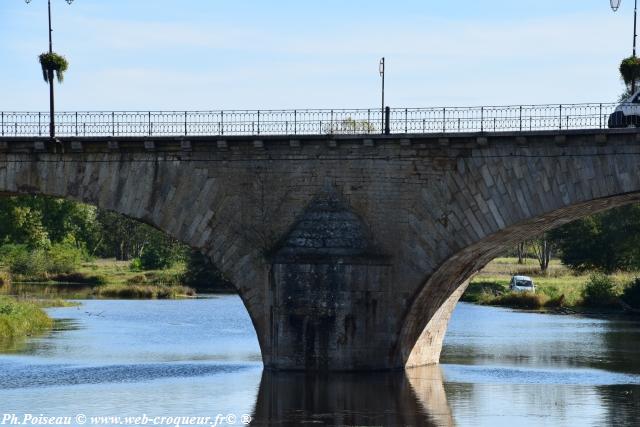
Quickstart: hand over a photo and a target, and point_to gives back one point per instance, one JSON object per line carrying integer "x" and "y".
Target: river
{"x": 201, "y": 357}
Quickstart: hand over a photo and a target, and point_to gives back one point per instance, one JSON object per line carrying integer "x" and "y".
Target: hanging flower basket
{"x": 630, "y": 70}
{"x": 52, "y": 62}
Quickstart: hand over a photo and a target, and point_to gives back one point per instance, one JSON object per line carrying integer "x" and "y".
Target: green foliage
{"x": 156, "y": 257}
{"x": 40, "y": 221}
{"x": 38, "y": 264}
{"x": 631, "y": 294}
{"x": 64, "y": 259}
{"x": 630, "y": 70}
{"x": 605, "y": 242}
{"x": 202, "y": 275}
{"x": 600, "y": 291}
{"x": 350, "y": 125}
{"x": 52, "y": 62}
{"x": 21, "y": 318}
{"x": 136, "y": 265}
{"x": 523, "y": 300}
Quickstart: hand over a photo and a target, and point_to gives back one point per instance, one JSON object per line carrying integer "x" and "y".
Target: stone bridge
{"x": 349, "y": 252}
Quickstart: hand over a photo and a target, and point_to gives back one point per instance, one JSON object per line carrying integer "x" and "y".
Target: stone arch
{"x": 424, "y": 330}
{"x": 180, "y": 198}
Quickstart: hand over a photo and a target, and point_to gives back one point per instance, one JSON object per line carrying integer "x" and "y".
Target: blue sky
{"x": 213, "y": 54}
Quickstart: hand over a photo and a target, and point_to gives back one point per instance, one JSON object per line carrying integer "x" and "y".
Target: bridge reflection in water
{"x": 412, "y": 398}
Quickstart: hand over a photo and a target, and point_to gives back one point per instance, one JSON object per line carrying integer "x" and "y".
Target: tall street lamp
{"x": 52, "y": 123}
{"x": 381, "y": 69}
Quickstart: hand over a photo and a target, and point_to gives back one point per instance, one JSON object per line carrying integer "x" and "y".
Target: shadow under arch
{"x": 413, "y": 398}
{"x": 426, "y": 322}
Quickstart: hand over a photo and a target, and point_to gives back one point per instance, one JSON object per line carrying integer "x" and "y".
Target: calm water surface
{"x": 201, "y": 358}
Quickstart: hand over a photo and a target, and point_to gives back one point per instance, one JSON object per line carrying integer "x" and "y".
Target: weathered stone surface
{"x": 348, "y": 257}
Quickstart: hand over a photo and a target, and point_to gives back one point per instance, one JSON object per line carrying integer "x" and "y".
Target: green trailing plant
{"x": 630, "y": 70}
{"x": 54, "y": 63}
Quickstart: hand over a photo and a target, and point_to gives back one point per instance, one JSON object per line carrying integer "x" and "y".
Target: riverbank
{"x": 21, "y": 318}
{"x": 101, "y": 278}
{"x": 558, "y": 289}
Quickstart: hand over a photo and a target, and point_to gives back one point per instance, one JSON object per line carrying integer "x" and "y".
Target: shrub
{"x": 136, "y": 265}
{"x": 80, "y": 278}
{"x": 33, "y": 264}
{"x": 600, "y": 291}
{"x": 631, "y": 294}
{"x": 156, "y": 257}
{"x": 524, "y": 300}
{"x": 64, "y": 259}
{"x": 21, "y": 318}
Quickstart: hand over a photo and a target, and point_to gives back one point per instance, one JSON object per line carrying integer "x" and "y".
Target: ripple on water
{"x": 510, "y": 375}
{"x": 30, "y": 376}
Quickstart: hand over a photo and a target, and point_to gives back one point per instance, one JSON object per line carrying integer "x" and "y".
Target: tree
{"x": 607, "y": 242}
{"x": 542, "y": 248}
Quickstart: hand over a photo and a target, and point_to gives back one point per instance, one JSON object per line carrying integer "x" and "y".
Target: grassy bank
{"x": 21, "y": 318}
{"x": 100, "y": 278}
{"x": 559, "y": 287}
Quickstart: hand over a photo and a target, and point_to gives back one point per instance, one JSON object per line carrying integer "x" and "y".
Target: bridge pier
{"x": 328, "y": 288}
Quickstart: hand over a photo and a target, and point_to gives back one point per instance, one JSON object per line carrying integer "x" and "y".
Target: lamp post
{"x": 615, "y": 4}
{"x": 52, "y": 122}
{"x": 381, "y": 69}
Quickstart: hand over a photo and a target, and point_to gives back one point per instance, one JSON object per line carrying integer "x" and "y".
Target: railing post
{"x": 295, "y": 122}
{"x": 331, "y": 126}
{"x": 600, "y": 116}
{"x": 39, "y": 124}
{"x": 76, "y": 123}
{"x": 424, "y": 125}
{"x": 368, "y": 120}
{"x": 258, "y": 122}
{"x": 521, "y": 118}
{"x": 149, "y": 121}
{"x": 113, "y": 123}
{"x": 2, "y": 123}
{"x": 222, "y": 122}
{"x": 560, "y": 118}
{"x": 406, "y": 120}
{"x": 186, "y": 132}
{"x": 481, "y": 119}
{"x": 444, "y": 120}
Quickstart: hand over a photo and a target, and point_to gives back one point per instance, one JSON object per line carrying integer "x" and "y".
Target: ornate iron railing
{"x": 309, "y": 122}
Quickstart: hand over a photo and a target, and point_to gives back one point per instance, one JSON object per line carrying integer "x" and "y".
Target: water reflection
{"x": 201, "y": 358}
{"x": 414, "y": 398}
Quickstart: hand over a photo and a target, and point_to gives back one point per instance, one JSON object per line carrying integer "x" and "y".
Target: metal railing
{"x": 309, "y": 122}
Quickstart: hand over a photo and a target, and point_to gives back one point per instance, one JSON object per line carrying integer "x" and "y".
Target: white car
{"x": 522, "y": 284}
{"x": 627, "y": 113}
